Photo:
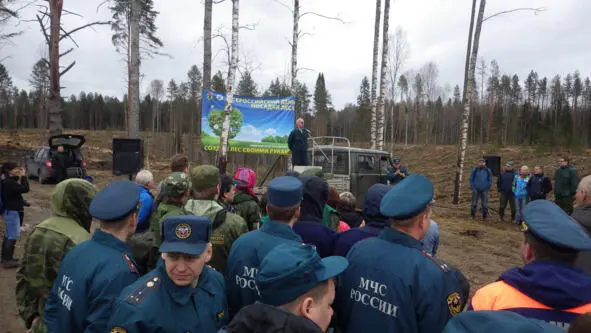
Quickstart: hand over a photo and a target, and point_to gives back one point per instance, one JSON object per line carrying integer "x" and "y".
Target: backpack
{"x": 220, "y": 217}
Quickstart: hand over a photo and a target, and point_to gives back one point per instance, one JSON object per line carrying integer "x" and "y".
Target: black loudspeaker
{"x": 494, "y": 164}
{"x": 128, "y": 156}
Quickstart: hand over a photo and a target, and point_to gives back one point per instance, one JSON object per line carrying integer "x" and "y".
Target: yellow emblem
{"x": 220, "y": 315}
{"x": 118, "y": 330}
{"x": 183, "y": 231}
{"x": 524, "y": 227}
{"x": 454, "y": 303}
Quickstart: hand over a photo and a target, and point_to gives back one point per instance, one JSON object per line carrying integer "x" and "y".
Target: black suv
{"x": 41, "y": 162}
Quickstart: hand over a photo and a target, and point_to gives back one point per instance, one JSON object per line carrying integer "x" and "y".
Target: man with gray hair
{"x": 582, "y": 214}
{"x": 298, "y": 143}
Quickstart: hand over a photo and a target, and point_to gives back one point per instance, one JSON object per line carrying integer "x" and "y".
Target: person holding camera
{"x": 13, "y": 186}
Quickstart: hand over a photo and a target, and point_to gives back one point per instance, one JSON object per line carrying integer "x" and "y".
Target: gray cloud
{"x": 552, "y": 42}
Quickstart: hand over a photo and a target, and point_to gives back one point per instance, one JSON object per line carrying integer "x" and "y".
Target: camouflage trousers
{"x": 140, "y": 245}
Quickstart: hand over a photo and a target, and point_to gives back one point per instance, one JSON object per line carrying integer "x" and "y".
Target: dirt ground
{"x": 482, "y": 254}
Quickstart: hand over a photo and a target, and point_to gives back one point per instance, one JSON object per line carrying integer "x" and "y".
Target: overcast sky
{"x": 552, "y": 42}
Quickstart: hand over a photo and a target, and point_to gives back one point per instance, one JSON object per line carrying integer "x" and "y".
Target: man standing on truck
{"x": 396, "y": 172}
{"x": 298, "y": 143}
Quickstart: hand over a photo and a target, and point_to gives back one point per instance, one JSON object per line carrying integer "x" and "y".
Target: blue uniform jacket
{"x": 505, "y": 182}
{"x": 481, "y": 179}
{"x": 391, "y": 285}
{"x": 154, "y": 304}
{"x": 556, "y": 285}
{"x": 314, "y": 232}
{"x": 374, "y": 221}
{"x": 90, "y": 278}
{"x": 145, "y": 211}
{"x": 392, "y": 178}
{"x": 244, "y": 260}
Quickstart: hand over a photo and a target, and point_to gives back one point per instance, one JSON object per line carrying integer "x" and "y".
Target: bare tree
{"x": 381, "y": 115}
{"x": 51, "y": 14}
{"x": 207, "y": 22}
{"x": 156, "y": 92}
{"x": 469, "y": 85}
{"x": 374, "y": 75}
{"x": 468, "y": 94}
{"x": 297, "y": 34}
{"x": 230, "y": 86}
{"x": 399, "y": 51}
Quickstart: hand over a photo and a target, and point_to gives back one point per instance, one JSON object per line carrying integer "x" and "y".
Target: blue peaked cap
{"x": 115, "y": 202}
{"x": 495, "y": 322}
{"x": 548, "y": 222}
{"x": 289, "y": 271}
{"x": 185, "y": 234}
{"x": 285, "y": 191}
{"x": 408, "y": 198}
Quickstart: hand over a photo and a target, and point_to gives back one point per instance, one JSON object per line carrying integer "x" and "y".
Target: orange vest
{"x": 501, "y": 296}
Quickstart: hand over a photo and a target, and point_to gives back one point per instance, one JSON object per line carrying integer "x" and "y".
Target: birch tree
{"x": 374, "y": 75}
{"x": 381, "y": 114}
{"x": 467, "y": 103}
{"x": 229, "y": 87}
{"x": 156, "y": 92}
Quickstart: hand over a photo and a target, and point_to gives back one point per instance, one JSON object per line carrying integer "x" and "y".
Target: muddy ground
{"x": 482, "y": 255}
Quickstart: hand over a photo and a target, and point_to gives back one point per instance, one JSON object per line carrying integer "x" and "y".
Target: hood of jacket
{"x": 315, "y": 196}
{"x": 241, "y": 197}
{"x": 260, "y": 317}
{"x": 582, "y": 214}
{"x": 71, "y": 199}
{"x": 207, "y": 208}
{"x": 371, "y": 205}
{"x": 553, "y": 284}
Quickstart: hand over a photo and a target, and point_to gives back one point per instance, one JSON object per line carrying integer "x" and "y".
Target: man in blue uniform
{"x": 309, "y": 226}
{"x": 297, "y": 290}
{"x": 548, "y": 287}
{"x": 392, "y": 285}
{"x": 396, "y": 172}
{"x": 495, "y": 322}
{"x": 92, "y": 274}
{"x": 181, "y": 295}
{"x": 248, "y": 251}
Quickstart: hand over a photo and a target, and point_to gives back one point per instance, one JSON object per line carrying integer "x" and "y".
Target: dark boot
{"x": 4, "y": 245}
{"x": 9, "y": 261}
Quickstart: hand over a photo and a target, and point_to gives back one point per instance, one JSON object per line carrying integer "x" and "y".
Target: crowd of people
{"x": 200, "y": 252}
{"x": 519, "y": 188}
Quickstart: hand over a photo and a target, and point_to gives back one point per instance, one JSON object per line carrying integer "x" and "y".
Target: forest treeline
{"x": 508, "y": 110}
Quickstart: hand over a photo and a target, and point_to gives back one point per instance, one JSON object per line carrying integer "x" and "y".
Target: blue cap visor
{"x": 183, "y": 247}
{"x": 333, "y": 266}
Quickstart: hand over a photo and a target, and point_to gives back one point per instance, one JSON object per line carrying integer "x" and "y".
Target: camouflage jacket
{"x": 224, "y": 231}
{"x": 247, "y": 207}
{"x": 164, "y": 210}
{"x": 44, "y": 250}
{"x": 48, "y": 244}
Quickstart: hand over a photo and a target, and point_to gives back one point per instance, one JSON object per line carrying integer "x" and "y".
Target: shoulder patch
{"x": 220, "y": 315}
{"x": 117, "y": 330}
{"x": 217, "y": 238}
{"x": 130, "y": 263}
{"x": 141, "y": 292}
{"x": 442, "y": 266}
{"x": 454, "y": 303}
